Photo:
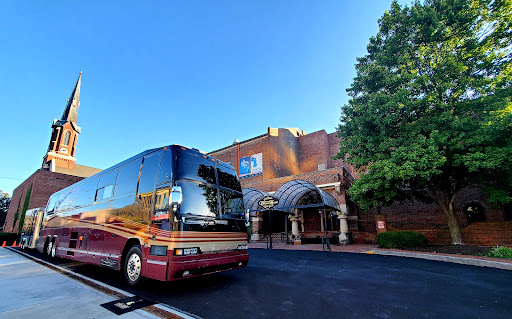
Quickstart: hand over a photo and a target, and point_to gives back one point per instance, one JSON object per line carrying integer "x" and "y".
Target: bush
{"x": 501, "y": 252}
{"x": 401, "y": 239}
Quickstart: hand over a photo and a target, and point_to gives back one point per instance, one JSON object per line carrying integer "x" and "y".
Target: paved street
{"x": 309, "y": 284}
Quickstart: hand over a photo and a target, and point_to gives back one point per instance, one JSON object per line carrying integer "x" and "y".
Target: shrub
{"x": 401, "y": 239}
{"x": 501, "y": 252}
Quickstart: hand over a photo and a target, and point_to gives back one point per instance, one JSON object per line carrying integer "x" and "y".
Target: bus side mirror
{"x": 247, "y": 218}
{"x": 176, "y": 198}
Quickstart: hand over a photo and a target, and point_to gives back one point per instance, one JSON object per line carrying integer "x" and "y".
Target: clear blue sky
{"x": 196, "y": 73}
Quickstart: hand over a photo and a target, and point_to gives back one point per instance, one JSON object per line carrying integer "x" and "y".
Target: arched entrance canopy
{"x": 294, "y": 194}
{"x": 251, "y": 198}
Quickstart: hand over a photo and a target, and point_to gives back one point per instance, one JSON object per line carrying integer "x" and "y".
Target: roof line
{"x": 221, "y": 149}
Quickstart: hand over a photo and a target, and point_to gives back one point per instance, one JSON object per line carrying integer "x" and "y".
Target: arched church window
{"x": 67, "y": 135}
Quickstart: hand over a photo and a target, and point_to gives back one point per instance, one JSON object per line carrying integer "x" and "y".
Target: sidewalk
{"x": 481, "y": 261}
{"x": 30, "y": 290}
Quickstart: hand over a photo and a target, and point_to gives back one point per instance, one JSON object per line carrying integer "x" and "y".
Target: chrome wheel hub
{"x": 133, "y": 267}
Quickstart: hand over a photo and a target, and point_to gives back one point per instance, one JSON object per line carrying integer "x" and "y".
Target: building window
{"x": 67, "y": 135}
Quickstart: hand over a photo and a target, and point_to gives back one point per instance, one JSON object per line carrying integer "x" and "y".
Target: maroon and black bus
{"x": 167, "y": 213}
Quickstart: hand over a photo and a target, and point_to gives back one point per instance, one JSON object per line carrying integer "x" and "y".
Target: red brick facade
{"x": 291, "y": 154}
{"x": 44, "y": 183}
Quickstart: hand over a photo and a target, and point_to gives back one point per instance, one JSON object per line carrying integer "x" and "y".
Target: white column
{"x": 254, "y": 221}
{"x": 295, "y": 224}
{"x": 343, "y": 226}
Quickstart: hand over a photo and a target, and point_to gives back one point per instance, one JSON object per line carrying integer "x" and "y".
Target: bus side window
{"x": 165, "y": 167}
{"x": 126, "y": 182}
{"x": 106, "y": 186}
{"x": 148, "y": 173}
{"x": 52, "y": 203}
{"x": 86, "y": 193}
{"x": 147, "y": 184}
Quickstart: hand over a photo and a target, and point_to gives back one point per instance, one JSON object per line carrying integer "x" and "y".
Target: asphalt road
{"x": 309, "y": 284}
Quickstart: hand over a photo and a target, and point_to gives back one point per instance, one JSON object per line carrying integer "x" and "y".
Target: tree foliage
{"x": 430, "y": 110}
{"x": 25, "y": 207}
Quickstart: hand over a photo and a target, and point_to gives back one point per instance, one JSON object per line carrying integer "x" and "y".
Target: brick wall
{"x": 286, "y": 152}
{"x": 314, "y": 150}
{"x": 44, "y": 184}
{"x": 283, "y": 154}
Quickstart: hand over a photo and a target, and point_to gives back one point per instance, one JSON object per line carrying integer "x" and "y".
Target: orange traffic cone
{"x": 4, "y": 244}
{"x": 19, "y": 245}
{"x": 14, "y": 244}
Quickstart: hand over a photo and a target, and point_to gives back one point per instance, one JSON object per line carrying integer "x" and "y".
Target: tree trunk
{"x": 453, "y": 225}
{"x": 451, "y": 219}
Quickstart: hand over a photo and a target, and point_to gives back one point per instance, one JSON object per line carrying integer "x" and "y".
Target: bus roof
{"x": 149, "y": 151}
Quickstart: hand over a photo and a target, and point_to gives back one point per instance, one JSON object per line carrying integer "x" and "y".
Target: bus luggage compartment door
{"x": 95, "y": 246}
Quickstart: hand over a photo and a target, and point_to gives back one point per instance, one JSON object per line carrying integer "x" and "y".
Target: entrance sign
{"x": 268, "y": 202}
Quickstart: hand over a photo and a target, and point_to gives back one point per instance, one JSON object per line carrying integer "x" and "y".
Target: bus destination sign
{"x": 268, "y": 202}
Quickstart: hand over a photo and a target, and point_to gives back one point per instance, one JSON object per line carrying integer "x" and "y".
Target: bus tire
{"x": 132, "y": 267}
{"x": 53, "y": 251}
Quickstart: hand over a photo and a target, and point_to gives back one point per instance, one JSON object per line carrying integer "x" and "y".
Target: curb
{"x": 157, "y": 310}
{"x": 445, "y": 258}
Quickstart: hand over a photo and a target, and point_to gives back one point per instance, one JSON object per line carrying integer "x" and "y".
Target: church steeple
{"x": 61, "y": 150}
{"x": 71, "y": 111}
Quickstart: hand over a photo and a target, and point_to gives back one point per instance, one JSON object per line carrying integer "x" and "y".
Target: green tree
{"x": 25, "y": 207}
{"x": 17, "y": 214}
{"x": 429, "y": 111}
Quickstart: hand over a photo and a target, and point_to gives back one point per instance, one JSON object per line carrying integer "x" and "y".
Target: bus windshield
{"x": 210, "y": 190}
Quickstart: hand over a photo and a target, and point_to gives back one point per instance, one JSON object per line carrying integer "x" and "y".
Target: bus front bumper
{"x": 193, "y": 266}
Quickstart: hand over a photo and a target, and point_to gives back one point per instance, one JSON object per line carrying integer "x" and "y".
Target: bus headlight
{"x": 186, "y": 251}
{"x": 242, "y": 247}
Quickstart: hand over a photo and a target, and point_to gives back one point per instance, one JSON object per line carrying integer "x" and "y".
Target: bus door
{"x": 156, "y": 264}
{"x": 82, "y": 241}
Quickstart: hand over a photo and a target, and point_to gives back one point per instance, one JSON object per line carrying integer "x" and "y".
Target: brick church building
{"x": 298, "y": 169}
{"x": 58, "y": 169}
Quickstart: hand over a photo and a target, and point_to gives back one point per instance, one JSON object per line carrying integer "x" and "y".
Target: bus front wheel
{"x": 133, "y": 266}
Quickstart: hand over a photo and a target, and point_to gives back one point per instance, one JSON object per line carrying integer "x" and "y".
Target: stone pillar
{"x": 343, "y": 227}
{"x": 256, "y": 226}
{"x": 295, "y": 227}
{"x": 343, "y": 218}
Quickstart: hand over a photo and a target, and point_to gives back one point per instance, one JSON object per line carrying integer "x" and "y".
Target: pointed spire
{"x": 71, "y": 111}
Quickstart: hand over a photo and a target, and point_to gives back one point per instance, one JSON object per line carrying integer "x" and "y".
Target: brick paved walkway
{"x": 318, "y": 247}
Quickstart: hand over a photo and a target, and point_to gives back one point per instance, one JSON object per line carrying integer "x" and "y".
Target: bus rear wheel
{"x": 49, "y": 248}
{"x": 133, "y": 266}
{"x": 53, "y": 251}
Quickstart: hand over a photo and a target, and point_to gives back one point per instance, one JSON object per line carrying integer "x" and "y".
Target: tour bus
{"x": 31, "y": 227}
{"x": 168, "y": 213}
